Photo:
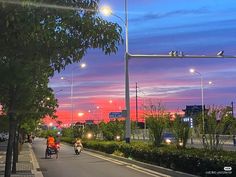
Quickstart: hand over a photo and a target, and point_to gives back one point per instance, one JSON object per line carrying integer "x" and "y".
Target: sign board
{"x": 115, "y": 115}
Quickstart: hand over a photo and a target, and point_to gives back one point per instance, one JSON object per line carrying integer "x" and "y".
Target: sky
{"x": 202, "y": 27}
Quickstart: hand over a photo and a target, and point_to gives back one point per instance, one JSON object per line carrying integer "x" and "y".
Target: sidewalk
{"x": 27, "y": 165}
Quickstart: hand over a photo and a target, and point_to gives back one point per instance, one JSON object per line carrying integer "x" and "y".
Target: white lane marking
{"x": 128, "y": 165}
{"x": 106, "y": 158}
{"x": 148, "y": 173}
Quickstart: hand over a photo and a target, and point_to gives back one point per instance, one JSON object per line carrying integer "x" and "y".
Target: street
{"x": 87, "y": 164}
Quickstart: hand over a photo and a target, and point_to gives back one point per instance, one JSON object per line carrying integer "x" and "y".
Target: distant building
{"x": 193, "y": 110}
{"x": 191, "y": 113}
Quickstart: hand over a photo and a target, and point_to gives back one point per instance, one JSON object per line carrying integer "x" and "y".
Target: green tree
{"x": 112, "y": 129}
{"x": 218, "y": 122}
{"x": 180, "y": 130}
{"x": 157, "y": 120}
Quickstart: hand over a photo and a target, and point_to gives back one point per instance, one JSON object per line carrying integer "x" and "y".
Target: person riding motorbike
{"x": 50, "y": 141}
{"x": 78, "y": 147}
{"x": 51, "y": 147}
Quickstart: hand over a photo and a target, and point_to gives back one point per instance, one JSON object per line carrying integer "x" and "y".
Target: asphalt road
{"x": 87, "y": 164}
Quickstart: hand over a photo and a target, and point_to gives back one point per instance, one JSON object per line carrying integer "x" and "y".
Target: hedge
{"x": 191, "y": 160}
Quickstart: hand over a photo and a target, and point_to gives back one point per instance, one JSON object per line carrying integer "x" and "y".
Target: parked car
{"x": 169, "y": 138}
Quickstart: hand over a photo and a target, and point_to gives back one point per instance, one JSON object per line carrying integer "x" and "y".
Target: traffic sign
{"x": 115, "y": 115}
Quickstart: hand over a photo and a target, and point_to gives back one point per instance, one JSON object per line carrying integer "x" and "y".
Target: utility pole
{"x": 232, "y": 104}
{"x": 136, "y": 105}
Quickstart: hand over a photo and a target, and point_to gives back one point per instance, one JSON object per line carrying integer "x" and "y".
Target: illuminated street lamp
{"x": 106, "y": 10}
{"x": 193, "y": 71}
{"x": 82, "y": 65}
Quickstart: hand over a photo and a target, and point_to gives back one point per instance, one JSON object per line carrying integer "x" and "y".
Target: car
{"x": 169, "y": 138}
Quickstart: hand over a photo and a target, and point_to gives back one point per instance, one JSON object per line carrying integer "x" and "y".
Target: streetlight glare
{"x": 106, "y": 10}
{"x": 80, "y": 114}
{"x": 83, "y": 65}
{"x": 62, "y": 78}
{"x": 192, "y": 70}
{"x": 210, "y": 82}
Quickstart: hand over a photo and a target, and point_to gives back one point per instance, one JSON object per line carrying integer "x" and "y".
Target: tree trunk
{"x": 15, "y": 151}
{"x": 12, "y": 129}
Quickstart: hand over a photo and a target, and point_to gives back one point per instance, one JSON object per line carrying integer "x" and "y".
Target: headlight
{"x": 168, "y": 141}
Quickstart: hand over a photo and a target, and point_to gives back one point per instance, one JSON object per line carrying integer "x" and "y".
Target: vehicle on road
{"x": 169, "y": 138}
{"x": 52, "y": 150}
{"x": 78, "y": 147}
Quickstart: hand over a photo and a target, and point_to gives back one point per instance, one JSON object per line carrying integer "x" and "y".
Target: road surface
{"x": 87, "y": 164}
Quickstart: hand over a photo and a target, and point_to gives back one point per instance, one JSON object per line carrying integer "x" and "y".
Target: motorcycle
{"x": 52, "y": 151}
{"x": 78, "y": 148}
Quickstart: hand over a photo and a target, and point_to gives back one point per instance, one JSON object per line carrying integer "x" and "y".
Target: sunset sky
{"x": 156, "y": 27}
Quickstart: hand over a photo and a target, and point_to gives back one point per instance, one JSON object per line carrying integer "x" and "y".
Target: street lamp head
{"x": 80, "y": 114}
{"x": 171, "y": 53}
{"x": 83, "y": 65}
{"x": 192, "y": 70}
{"x": 62, "y": 78}
{"x": 210, "y": 82}
{"x": 220, "y": 53}
{"x": 106, "y": 10}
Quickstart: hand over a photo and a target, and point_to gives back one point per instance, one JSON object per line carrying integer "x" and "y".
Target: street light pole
{"x": 82, "y": 65}
{"x": 203, "y": 107}
{"x": 107, "y": 11}
{"x": 202, "y": 98}
{"x": 71, "y": 96}
{"x": 127, "y": 96}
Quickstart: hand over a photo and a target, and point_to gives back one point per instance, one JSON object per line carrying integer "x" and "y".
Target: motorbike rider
{"x": 50, "y": 141}
{"x": 78, "y": 143}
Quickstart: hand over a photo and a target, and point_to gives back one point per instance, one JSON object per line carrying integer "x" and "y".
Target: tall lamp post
{"x": 193, "y": 71}
{"x": 82, "y": 65}
{"x": 107, "y": 11}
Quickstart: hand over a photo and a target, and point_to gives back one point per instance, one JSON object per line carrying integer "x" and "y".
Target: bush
{"x": 67, "y": 140}
{"x": 194, "y": 161}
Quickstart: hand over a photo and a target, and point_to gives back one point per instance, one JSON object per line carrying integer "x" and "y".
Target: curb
{"x": 35, "y": 164}
{"x": 145, "y": 165}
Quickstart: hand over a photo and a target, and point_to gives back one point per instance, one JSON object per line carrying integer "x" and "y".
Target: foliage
{"x": 4, "y": 123}
{"x": 67, "y": 132}
{"x": 69, "y": 140}
{"x": 112, "y": 129}
{"x": 45, "y": 133}
{"x": 181, "y": 131}
{"x": 217, "y": 122}
{"x": 194, "y": 161}
{"x": 157, "y": 120}
{"x": 78, "y": 131}
{"x": 91, "y": 128}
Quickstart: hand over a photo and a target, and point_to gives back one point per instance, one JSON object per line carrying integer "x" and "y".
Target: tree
{"x": 157, "y": 120}
{"x": 181, "y": 131}
{"x": 218, "y": 122}
{"x": 112, "y": 129}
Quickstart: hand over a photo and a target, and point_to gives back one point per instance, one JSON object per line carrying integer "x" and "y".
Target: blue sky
{"x": 157, "y": 27}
